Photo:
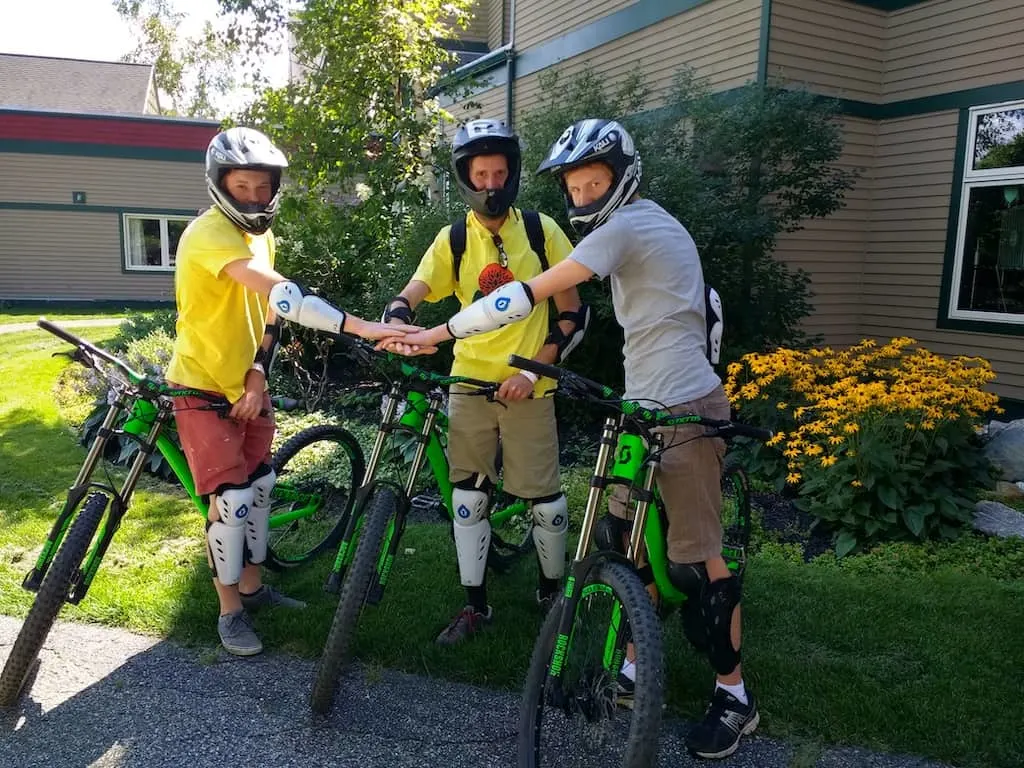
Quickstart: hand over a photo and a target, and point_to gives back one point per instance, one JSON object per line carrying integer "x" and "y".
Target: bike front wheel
{"x": 53, "y": 593}
{"x": 318, "y": 471}
{"x": 583, "y": 715}
{"x": 369, "y": 569}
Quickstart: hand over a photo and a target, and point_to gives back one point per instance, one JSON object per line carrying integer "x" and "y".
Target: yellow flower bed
{"x": 862, "y": 430}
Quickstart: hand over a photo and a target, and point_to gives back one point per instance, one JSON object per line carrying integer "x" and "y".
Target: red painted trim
{"x": 107, "y": 130}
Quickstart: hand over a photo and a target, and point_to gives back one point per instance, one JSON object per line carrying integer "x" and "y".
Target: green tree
{"x": 191, "y": 72}
{"x": 737, "y": 169}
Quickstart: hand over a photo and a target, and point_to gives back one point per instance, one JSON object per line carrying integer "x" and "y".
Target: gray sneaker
{"x": 237, "y": 635}
{"x": 267, "y": 595}
{"x": 467, "y": 623}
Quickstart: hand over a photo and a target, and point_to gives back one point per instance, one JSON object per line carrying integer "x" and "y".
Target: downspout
{"x": 766, "y": 33}
{"x": 510, "y": 63}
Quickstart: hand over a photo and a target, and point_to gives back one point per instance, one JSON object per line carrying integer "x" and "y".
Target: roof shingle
{"x": 73, "y": 85}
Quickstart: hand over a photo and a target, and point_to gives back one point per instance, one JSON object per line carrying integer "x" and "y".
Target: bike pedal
{"x": 426, "y": 502}
{"x": 32, "y": 580}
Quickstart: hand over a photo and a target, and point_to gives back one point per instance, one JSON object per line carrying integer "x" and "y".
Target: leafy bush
{"x": 883, "y": 441}
{"x": 140, "y": 325}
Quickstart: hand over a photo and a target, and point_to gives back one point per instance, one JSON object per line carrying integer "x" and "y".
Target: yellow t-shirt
{"x": 486, "y": 356}
{"x": 220, "y": 321}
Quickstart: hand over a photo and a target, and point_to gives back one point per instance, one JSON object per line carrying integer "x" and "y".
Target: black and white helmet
{"x": 486, "y": 137}
{"x": 590, "y": 141}
{"x": 249, "y": 149}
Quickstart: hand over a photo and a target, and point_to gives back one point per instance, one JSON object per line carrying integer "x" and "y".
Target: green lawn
{"x": 917, "y": 654}
{"x": 27, "y": 313}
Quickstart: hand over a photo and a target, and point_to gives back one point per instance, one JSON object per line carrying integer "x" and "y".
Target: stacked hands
{"x": 410, "y": 340}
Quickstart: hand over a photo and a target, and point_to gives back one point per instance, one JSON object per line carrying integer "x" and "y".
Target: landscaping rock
{"x": 1006, "y": 490}
{"x": 1005, "y": 449}
{"x": 997, "y": 519}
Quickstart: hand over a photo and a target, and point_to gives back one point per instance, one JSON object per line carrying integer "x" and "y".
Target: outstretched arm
{"x": 289, "y": 301}
{"x": 508, "y": 304}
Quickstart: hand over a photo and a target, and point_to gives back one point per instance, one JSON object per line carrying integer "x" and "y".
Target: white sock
{"x": 629, "y": 669}
{"x": 738, "y": 690}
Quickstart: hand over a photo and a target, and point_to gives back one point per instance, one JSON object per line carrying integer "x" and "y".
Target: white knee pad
{"x": 550, "y": 532}
{"x": 472, "y": 534}
{"x": 226, "y": 537}
{"x": 257, "y": 524}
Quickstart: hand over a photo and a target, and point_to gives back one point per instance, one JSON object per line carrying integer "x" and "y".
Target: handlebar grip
{"x": 285, "y": 403}
{"x": 541, "y": 369}
{"x": 757, "y": 433}
{"x": 56, "y": 330}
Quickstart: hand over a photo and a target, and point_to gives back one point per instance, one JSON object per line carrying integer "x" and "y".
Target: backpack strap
{"x": 457, "y": 242}
{"x": 535, "y": 234}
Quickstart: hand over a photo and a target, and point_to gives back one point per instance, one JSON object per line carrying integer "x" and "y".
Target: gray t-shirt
{"x": 658, "y": 294}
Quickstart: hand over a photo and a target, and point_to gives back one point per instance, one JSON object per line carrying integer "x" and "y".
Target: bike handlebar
{"x": 135, "y": 377}
{"x": 573, "y": 384}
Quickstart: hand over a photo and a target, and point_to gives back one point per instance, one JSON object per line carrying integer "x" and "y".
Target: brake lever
{"x": 78, "y": 355}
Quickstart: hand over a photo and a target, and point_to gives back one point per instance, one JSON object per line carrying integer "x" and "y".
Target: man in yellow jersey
{"x": 229, "y": 300}
{"x": 493, "y": 245}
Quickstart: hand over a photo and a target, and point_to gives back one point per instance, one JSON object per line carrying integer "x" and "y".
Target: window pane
{"x": 144, "y": 243}
{"x": 992, "y": 278}
{"x": 174, "y": 230}
{"x": 999, "y": 140}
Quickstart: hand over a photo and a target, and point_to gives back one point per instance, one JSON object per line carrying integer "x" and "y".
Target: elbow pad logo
{"x": 242, "y": 511}
{"x": 285, "y": 306}
{"x": 502, "y": 304}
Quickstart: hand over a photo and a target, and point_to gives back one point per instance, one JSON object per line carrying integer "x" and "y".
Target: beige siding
{"x": 907, "y": 244}
{"x": 829, "y": 46}
{"x": 719, "y": 39}
{"x": 105, "y": 180}
{"x": 490, "y": 103}
{"x": 70, "y": 255}
{"x": 950, "y": 45}
{"x": 832, "y": 250}
{"x": 478, "y": 23}
{"x": 497, "y": 26}
{"x": 540, "y": 20}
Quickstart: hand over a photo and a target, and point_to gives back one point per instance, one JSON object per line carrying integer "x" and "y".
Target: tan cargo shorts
{"x": 690, "y": 482}
{"x": 529, "y": 443}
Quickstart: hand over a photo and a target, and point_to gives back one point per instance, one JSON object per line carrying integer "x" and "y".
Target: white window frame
{"x": 165, "y": 241}
{"x": 975, "y": 179}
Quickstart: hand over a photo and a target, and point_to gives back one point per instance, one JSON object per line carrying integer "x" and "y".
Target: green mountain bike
{"x": 413, "y": 406}
{"x": 573, "y": 712}
{"x": 310, "y": 503}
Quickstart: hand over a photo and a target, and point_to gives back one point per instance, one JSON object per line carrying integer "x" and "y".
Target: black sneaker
{"x": 726, "y": 720}
{"x": 467, "y": 623}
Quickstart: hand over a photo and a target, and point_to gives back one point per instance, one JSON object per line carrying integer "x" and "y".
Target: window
{"x": 151, "y": 242}
{"x": 988, "y": 272}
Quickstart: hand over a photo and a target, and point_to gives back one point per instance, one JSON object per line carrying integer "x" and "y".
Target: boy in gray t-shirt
{"x": 658, "y": 293}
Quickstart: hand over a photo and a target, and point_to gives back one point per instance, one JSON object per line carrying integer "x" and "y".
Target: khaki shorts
{"x": 690, "y": 482}
{"x": 529, "y": 443}
{"x": 222, "y": 450}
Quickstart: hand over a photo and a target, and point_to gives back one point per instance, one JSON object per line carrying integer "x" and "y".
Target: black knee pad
{"x": 718, "y": 605}
{"x": 609, "y": 532}
{"x": 261, "y": 471}
{"x": 691, "y": 579}
{"x": 475, "y": 482}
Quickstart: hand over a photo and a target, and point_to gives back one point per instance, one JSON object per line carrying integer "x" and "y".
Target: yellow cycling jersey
{"x": 220, "y": 321}
{"x": 486, "y": 356}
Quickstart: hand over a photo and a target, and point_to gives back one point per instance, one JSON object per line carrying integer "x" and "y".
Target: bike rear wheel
{"x": 736, "y": 522}
{"x": 53, "y": 593}
{"x": 381, "y": 516}
{"x": 318, "y": 471}
{"x": 582, "y": 717}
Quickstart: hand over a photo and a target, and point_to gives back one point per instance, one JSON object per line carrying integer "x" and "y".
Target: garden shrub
{"x": 881, "y": 442}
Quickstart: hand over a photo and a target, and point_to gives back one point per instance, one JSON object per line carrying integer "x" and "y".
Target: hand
{"x": 421, "y": 343}
{"x": 249, "y": 405}
{"x": 373, "y": 331}
{"x": 515, "y": 387}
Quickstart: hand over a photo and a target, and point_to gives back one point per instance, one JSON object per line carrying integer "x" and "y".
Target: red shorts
{"x": 222, "y": 450}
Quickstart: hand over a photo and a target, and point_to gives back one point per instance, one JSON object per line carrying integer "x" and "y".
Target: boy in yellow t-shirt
{"x": 229, "y": 299}
{"x": 497, "y": 249}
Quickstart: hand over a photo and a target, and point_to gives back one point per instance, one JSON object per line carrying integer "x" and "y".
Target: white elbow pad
{"x": 509, "y": 303}
{"x": 288, "y": 301}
